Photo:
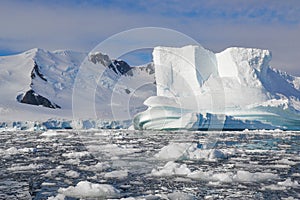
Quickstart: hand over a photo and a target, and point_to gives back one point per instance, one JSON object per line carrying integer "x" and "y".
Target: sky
{"x": 216, "y": 24}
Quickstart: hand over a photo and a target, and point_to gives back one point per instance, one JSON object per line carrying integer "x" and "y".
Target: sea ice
{"x": 57, "y": 197}
{"x": 72, "y": 174}
{"x": 14, "y": 150}
{"x": 85, "y": 189}
{"x": 76, "y": 154}
{"x": 172, "y": 169}
{"x": 118, "y": 174}
{"x": 173, "y": 151}
{"x": 53, "y": 133}
{"x": 239, "y": 176}
{"x": 289, "y": 183}
{"x": 180, "y": 196}
{"x": 191, "y": 151}
{"x": 25, "y": 168}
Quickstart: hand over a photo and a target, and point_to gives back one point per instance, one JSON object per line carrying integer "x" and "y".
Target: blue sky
{"x": 81, "y": 24}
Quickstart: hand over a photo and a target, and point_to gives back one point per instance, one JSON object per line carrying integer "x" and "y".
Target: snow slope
{"x": 233, "y": 89}
{"x": 17, "y": 79}
{"x": 38, "y": 85}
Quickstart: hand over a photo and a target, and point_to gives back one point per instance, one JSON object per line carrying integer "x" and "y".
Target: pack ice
{"x": 234, "y": 89}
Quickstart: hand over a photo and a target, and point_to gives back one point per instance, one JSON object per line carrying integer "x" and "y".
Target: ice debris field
{"x": 120, "y": 164}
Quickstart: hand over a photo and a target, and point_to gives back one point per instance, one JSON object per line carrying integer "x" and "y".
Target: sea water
{"x": 69, "y": 164}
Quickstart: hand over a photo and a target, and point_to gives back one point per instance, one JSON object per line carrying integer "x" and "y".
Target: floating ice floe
{"x": 114, "y": 150}
{"x": 57, "y": 197}
{"x": 172, "y": 169}
{"x": 76, "y": 154}
{"x": 118, "y": 174}
{"x": 72, "y": 174}
{"x": 283, "y": 185}
{"x": 54, "y": 133}
{"x": 170, "y": 196}
{"x": 85, "y": 189}
{"x": 191, "y": 151}
{"x": 289, "y": 183}
{"x": 25, "y": 168}
{"x": 14, "y": 150}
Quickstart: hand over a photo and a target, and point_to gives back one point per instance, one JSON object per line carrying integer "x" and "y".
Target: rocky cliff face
{"x": 118, "y": 66}
{"x": 33, "y": 98}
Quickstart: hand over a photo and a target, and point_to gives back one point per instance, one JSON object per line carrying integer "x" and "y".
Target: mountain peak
{"x": 34, "y": 51}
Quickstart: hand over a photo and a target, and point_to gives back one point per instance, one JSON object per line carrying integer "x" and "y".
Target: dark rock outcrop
{"x": 33, "y": 98}
{"x": 100, "y": 58}
{"x": 36, "y": 72}
{"x": 120, "y": 67}
{"x": 149, "y": 68}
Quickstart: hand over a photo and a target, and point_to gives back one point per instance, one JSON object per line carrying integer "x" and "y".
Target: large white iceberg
{"x": 234, "y": 89}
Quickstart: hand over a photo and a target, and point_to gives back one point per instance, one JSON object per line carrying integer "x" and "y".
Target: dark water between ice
{"x": 35, "y": 165}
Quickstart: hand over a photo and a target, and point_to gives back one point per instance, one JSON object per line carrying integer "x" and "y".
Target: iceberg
{"x": 235, "y": 89}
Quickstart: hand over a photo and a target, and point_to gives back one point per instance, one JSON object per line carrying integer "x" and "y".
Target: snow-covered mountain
{"x": 38, "y": 85}
{"x": 188, "y": 87}
{"x": 233, "y": 89}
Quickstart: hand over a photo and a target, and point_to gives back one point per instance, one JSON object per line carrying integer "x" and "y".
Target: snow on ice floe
{"x": 17, "y": 167}
{"x": 86, "y": 189}
{"x": 118, "y": 174}
{"x": 171, "y": 196}
{"x": 57, "y": 197}
{"x": 180, "y": 195}
{"x": 239, "y": 176}
{"x": 14, "y": 150}
{"x": 197, "y": 89}
{"x": 172, "y": 169}
{"x": 98, "y": 167}
{"x": 289, "y": 183}
{"x": 53, "y": 133}
{"x": 72, "y": 174}
{"x": 283, "y": 185}
{"x": 114, "y": 150}
{"x": 191, "y": 151}
{"x": 76, "y": 154}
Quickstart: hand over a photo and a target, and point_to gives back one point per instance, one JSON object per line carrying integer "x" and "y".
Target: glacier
{"x": 235, "y": 89}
